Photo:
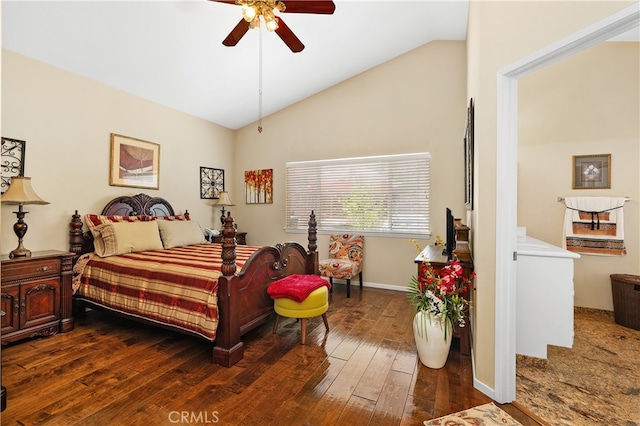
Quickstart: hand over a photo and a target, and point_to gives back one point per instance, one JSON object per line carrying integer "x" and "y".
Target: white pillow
{"x": 126, "y": 237}
{"x": 176, "y": 233}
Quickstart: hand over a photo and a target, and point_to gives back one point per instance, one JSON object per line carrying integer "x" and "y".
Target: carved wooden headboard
{"x": 140, "y": 204}
{"x": 129, "y": 205}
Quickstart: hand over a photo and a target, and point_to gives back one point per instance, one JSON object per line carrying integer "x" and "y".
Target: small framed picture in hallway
{"x": 591, "y": 171}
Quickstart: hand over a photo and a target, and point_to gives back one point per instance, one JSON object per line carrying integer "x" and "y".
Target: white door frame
{"x": 507, "y": 185}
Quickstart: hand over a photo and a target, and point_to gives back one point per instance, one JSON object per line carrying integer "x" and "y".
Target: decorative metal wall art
{"x": 211, "y": 182}
{"x": 12, "y": 161}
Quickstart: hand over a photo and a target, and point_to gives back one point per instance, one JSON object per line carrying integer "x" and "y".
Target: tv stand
{"x": 438, "y": 259}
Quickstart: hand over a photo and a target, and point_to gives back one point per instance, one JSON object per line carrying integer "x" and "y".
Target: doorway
{"x": 506, "y": 187}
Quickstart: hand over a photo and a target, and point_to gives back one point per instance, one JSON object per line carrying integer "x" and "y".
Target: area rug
{"x": 487, "y": 414}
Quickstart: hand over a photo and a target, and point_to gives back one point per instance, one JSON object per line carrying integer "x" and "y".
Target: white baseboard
{"x": 490, "y": 392}
{"x": 477, "y": 384}
{"x": 356, "y": 283}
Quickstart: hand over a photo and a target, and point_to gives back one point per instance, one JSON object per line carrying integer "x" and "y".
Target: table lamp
{"x": 20, "y": 192}
{"x": 223, "y": 201}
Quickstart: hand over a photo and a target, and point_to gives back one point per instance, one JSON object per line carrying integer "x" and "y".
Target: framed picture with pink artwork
{"x": 258, "y": 186}
{"x": 134, "y": 163}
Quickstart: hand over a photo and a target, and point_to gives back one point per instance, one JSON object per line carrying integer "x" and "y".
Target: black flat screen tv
{"x": 450, "y": 242}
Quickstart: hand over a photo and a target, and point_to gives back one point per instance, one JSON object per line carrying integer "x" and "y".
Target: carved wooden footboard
{"x": 243, "y": 302}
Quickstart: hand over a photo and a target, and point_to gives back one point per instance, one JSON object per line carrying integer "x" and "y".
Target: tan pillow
{"x": 95, "y": 220}
{"x": 126, "y": 237}
{"x": 176, "y": 233}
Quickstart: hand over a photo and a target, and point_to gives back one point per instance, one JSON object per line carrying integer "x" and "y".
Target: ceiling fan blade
{"x": 236, "y": 34}
{"x": 310, "y": 6}
{"x": 289, "y": 37}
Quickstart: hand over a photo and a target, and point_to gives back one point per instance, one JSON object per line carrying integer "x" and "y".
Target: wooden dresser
{"x": 462, "y": 253}
{"x": 36, "y": 295}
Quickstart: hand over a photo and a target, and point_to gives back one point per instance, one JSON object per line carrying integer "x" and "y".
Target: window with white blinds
{"x": 371, "y": 195}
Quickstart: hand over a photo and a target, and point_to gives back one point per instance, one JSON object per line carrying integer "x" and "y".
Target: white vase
{"x": 429, "y": 333}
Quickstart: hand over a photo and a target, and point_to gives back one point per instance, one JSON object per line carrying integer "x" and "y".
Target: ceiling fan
{"x": 252, "y": 10}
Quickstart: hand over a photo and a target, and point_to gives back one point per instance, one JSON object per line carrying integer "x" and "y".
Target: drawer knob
{"x": 43, "y": 268}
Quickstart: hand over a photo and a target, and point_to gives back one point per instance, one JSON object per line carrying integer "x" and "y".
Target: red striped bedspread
{"x": 177, "y": 286}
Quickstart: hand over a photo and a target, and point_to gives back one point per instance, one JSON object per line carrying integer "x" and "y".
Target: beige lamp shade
{"x": 224, "y": 199}
{"x": 21, "y": 192}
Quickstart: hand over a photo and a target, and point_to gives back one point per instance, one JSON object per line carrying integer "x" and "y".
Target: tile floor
{"x": 597, "y": 382}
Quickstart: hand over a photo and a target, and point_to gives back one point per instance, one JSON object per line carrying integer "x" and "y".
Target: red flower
{"x": 447, "y": 284}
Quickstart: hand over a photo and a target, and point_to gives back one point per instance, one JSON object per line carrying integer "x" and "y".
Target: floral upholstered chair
{"x": 345, "y": 259}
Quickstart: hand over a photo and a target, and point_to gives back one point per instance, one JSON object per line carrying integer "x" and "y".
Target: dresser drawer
{"x": 31, "y": 269}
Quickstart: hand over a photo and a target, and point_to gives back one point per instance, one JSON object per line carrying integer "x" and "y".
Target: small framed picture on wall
{"x": 591, "y": 171}
{"x": 134, "y": 163}
{"x": 258, "y": 186}
{"x": 468, "y": 158}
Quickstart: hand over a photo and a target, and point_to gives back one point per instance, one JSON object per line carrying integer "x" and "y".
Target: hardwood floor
{"x": 363, "y": 372}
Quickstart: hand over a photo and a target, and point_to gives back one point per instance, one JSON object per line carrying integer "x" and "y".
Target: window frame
{"x": 320, "y": 179}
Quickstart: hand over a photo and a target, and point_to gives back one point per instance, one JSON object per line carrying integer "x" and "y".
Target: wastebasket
{"x": 626, "y": 299}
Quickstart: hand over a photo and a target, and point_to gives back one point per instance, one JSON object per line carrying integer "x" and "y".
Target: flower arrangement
{"x": 440, "y": 292}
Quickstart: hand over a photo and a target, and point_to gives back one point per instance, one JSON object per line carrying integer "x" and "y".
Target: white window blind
{"x": 373, "y": 195}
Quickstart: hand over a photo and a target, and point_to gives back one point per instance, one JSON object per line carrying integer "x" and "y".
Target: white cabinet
{"x": 544, "y": 297}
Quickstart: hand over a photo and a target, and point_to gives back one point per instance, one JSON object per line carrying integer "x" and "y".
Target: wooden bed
{"x": 242, "y": 299}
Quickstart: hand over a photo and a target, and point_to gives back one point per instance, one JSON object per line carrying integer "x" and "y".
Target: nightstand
{"x": 36, "y": 295}
{"x": 241, "y": 238}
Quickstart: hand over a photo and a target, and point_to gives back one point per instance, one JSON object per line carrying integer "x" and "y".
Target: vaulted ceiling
{"x": 171, "y": 52}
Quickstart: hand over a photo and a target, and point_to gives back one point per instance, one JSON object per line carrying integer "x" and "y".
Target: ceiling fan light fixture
{"x": 255, "y": 23}
{"x": 279, "y": 6}
{"x": 270, "y": 20}
{"x": 272, "y": 25}
{"x": 249, "y": 12}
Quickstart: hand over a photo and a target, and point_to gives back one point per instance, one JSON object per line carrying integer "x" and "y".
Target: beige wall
{"x": 499, "y": 34}
{"x": 66, "y": 122}
{"x": 586, "y": 104}
{"x": 413, "y": 103}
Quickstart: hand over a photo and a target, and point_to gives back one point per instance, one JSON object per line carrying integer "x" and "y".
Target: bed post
{"x": 312, "y": 233}
{"x": 228, "y": 349}
{"x": 75, "y": 234}
{"x": 228, "y": 247}
{"x": 313, "y": 244}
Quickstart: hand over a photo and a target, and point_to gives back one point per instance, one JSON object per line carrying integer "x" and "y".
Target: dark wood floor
{"x": 365, "y": 371}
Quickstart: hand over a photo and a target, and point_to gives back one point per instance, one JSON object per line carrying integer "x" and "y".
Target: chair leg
{"x": 303, "y": 331}
{"x": 348, "y": 287}
{"x": 275, "y": 324}
{"x": 360, "y": 275}
{"x": 331, "y": 282}
{"x": 326, "y": 323}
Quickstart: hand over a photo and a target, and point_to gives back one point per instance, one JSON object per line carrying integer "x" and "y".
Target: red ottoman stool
{"x": 300, "y": 296}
